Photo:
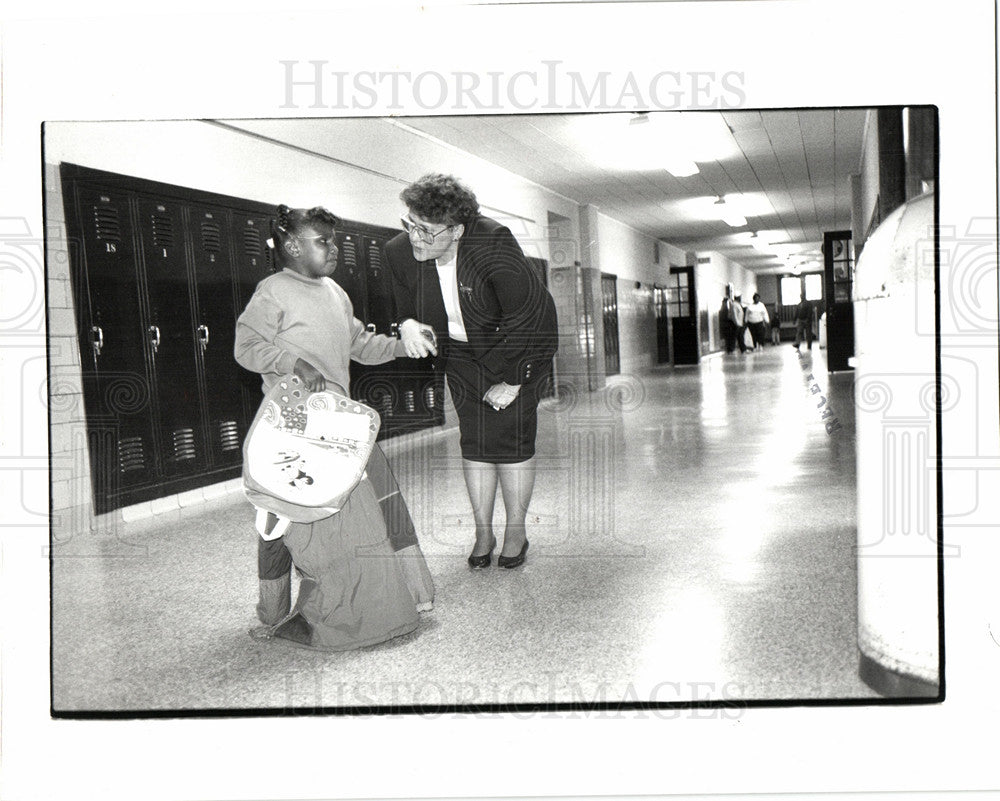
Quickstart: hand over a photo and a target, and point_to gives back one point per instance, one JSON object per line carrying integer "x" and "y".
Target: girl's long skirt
{"x": 274, "y": 562}
{"x": 353, "y": 592}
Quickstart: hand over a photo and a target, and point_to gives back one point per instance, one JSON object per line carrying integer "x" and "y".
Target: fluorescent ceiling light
{"x": 750, "y": 204}
{"x": 728, "y": 214}
{"x": 680, "y": 168}
{"x": 645, "y": 142}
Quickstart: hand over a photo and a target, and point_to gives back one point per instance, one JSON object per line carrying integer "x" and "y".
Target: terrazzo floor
{"x": 692, "y": 536}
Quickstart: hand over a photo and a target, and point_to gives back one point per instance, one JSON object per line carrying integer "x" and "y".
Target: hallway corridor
{"x": 692, "y": 535}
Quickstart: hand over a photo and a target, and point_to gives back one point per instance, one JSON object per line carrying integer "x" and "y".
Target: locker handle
{"x": 154, "y": 330}
{"x": 203, "y": 337}
{"x": 98, "y": 339}
{"x": 370, "y": 328}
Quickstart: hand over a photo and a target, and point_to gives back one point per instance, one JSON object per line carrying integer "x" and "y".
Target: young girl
{"x": 299, "y": 321}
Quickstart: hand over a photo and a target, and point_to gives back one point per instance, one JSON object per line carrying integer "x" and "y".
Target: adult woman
{"x": 465, "y": 275}
{"x": 757, "y": 319}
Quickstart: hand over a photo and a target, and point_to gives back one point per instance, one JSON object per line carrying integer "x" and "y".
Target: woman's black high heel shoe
{"x": 513, "y": 561}
{"x": 479, "y": 562}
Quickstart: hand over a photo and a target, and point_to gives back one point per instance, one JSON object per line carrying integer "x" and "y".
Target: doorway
{"x": 838, "y": 263}
{"x": 609, "y": 299}
{"x": 683, "y": 310}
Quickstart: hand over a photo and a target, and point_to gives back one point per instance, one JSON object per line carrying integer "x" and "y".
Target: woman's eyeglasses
{"x": 425, "y": 236}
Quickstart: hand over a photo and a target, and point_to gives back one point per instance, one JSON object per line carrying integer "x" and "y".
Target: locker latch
{"x": 97, "y": 339}
{"x": 203, "y": 337}
{"x": 154, "y": 332}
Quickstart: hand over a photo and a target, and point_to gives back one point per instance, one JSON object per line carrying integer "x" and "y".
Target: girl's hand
{"x": 311, "y": 377}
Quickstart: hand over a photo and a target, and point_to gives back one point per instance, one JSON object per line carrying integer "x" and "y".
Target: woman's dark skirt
{"x": 486, "y": 435}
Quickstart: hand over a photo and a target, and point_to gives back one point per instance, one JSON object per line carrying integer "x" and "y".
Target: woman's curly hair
{"x": 441, "y": 199}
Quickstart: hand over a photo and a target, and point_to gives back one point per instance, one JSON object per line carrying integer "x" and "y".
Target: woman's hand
{"x": 501, "y": 395}
{"x": 311, "y": 377}
{"x": 418, "y": 339}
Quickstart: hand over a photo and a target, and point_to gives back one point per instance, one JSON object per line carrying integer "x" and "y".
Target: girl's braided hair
{"x": 289, "y": 222}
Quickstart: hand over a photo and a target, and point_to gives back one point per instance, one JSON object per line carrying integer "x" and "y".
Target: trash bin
{"x": 895, "y": 397}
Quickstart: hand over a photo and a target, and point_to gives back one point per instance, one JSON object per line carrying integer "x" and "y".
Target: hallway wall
{"x": 631, "y": 256}
{"x": 375, "y": 159}
{"x": 369, "y": 162}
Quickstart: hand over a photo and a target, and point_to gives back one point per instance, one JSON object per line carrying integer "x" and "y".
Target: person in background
{"x": 757, "y": 319}
{"x": 805, "y": 319}
{"x": 776, "y": 326}
{"x": 300, "y": 322}
{"x": 727, "y": 325}
{"x": 737, "y": 314}
{"x": 465, "y": 274}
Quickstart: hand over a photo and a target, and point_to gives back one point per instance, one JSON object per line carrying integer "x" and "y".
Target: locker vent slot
{"x": 107, "y": 224}
{"x": 163, "y": 231}
{"x": 183, "y": 444}
{"x": 269, "y": 259}
{"x": 229, "y": 435}
{"x": 251, "y": 241}
{"x": 429, "y": 396}
{"x": 211, "y": 237}
{"x": 381, "y": 401}
{"x": 374, "y": 258}
{"x": 131, "y": 454}
{"x": 349, "y": 251}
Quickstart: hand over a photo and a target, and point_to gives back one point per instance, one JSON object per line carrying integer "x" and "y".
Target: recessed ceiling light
{"x": 681, "y": 168}
{"x": 729, "y": 215}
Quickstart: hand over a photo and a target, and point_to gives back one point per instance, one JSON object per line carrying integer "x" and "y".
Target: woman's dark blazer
{"x": 509, "y": 316}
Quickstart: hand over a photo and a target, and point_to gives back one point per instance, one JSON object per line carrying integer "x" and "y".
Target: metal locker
{"x": 170, "y": 336}
{"x": 350, "y": 272}
{"x": 116, "y": 384}
{"x": 160, "y": 274}
{"x": 375, "y": 385}
{"x": 407, "y": 393}
{"x": 381, "y": 305}
{"x": 210, "y": 237}
{"x": 253, "y": 261}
